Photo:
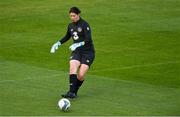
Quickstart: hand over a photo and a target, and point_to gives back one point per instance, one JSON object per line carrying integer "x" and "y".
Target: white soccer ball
{"x": 64, "y": 104}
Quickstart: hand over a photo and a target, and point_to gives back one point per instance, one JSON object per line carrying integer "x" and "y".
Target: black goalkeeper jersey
{"x": 79, "y": 31}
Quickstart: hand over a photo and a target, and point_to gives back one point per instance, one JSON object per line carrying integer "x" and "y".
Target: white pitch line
{"x": 136, "y": 66}
{"x": 31, "y": 78}
{"x": 109, "y": 69}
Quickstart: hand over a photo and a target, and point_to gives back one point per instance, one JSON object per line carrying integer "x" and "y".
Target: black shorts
{"x": 86, "y": 57}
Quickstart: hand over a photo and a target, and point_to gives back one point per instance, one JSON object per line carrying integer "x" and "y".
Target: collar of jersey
{"x": 78, "y": 21}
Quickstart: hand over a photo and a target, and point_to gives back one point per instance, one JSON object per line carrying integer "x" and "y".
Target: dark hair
{"x": 74, "y": 10}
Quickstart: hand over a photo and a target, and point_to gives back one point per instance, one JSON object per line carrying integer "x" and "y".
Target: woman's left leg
{"x": 81, "y": 74}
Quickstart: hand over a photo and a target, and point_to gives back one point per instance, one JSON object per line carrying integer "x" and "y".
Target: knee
{"x": 74, "y": 65}
{"x": 80, "y": 77}
{"x": 73, "y": 70}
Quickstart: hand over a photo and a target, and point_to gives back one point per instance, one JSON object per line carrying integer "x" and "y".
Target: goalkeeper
{"x": 83, "y": 52}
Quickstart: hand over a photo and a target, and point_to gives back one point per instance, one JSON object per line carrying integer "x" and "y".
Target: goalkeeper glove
{"x": 76, "y": 45}
{"x": 55, "y": 47}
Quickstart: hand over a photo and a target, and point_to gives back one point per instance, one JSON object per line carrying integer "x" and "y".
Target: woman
{"x": 83, "y": 52}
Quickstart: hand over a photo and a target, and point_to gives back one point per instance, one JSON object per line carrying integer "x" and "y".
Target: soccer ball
{"x": 64, "y": 104}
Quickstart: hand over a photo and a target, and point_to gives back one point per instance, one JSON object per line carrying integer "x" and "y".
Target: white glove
{"x": 76, "y": 45}
{"x": 55, "y": 47}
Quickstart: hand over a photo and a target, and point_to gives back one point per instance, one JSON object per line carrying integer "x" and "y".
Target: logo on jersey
{"x": 87, "y": 28}
{"x": 79, "y": 29}
{"x": 71, "y": 30}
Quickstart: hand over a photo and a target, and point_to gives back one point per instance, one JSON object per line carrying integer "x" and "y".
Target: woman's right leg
{"x": 74, "y": 66}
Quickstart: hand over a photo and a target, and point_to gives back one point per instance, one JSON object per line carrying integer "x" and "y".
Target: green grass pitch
{"x": 137, "y": 65}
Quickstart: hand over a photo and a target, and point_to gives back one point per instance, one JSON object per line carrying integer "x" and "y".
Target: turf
{"x": 136, "y": 70}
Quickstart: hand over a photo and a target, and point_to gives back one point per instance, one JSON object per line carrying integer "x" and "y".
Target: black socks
{"x": 74, "y": 83}
{"x": 79, "y": 83}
